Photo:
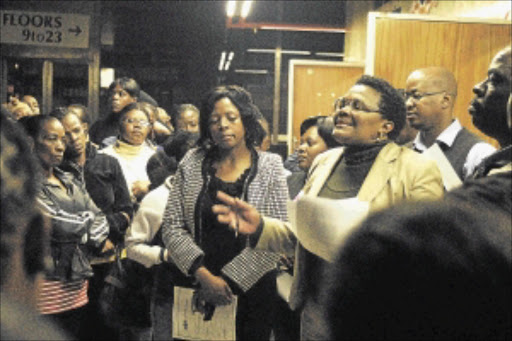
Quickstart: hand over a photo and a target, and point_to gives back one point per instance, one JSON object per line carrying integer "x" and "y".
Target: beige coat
{"x": 398, "y": 174}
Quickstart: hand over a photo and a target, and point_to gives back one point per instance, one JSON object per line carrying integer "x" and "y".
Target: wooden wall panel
{"x": 465, "y": 48}
{"x": 315, "y": 87}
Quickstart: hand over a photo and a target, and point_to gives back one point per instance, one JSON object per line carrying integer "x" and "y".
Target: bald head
{"x": 503, "y": 59}
{"x": 439, "y": 78}
{"x": 431, "y": 94}
{"x": 21, "y": 109}
{"x": 32, "y": 103}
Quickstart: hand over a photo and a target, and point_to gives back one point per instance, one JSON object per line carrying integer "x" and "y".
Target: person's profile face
{"x": 120, "y": 99}
{"x": 164, "y": 118}
{"x": 75, "y": 135}
{"x": 50, "y": 144}
{"x": 21, "y": 110}
{"x": 488, "y": 107}
{"x": 32, "y": 103}
{"x": 311, "y": 144}
{"x": 357, "y": 120}
{"x": 423, "y": 101}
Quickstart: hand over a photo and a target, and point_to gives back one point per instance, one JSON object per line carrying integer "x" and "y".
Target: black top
{"x": 105, "y": 183}
{"x": 458, "y": 152}
{"x": 344, "y": 182}
{"x": 219, "y": 243}
{"x": 295, "y": 182}
{"x": 102, "y": 129}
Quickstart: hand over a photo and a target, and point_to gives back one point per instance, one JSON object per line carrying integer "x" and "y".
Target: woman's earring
{"x": 380, "y": 137}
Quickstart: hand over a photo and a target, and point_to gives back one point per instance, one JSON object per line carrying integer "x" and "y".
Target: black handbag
{"x": 125, "y": 298}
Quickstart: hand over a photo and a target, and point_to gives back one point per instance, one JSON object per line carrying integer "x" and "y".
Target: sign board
{"x": 45, "y": 29}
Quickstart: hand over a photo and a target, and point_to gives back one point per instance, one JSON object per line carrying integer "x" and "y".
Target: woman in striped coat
{"x": 209, "y": 252}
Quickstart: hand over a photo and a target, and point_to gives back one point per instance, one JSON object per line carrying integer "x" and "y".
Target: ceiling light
{"x": 304, "y": 53}
{"x": 230, "y": 8}
{"x": 329, "y": 54}
{"x": 297, "y": 52}
{"x": 228, "y": 63}
{"x": 261, "y": 50}
{"x": 254, "y": 72}
{"x": 222, "y": 59}
{"x": 231, "y": 55}
{"x": 246, "y": 7}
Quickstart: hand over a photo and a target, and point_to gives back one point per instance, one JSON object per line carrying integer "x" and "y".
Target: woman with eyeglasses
{"x": 131, "y": 150}
{"x": 209, "y": 253}
{"x": 369, "y": 166}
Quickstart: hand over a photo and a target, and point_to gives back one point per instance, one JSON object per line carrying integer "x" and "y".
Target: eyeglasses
{"x": 143, "y": 123}
{"x": 354, "y": 104}
{"x": 417, "y": 95}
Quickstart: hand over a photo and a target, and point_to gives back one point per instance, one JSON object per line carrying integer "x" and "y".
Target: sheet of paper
{"x": 284, "y": 285}
{"x": 189, "y": 325}
{"x": 450, "y": 178}
{"x": 321, "y": 225}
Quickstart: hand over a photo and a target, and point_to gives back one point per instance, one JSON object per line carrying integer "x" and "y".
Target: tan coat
{"x": 398, "y": 174}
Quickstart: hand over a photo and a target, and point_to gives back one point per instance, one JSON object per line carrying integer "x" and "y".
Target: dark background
{"x": 173, "y": 48}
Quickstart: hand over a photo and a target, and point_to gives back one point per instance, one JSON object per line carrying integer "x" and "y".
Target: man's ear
{"x": 447, "y": 101}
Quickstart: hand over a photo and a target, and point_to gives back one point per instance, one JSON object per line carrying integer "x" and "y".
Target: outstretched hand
{"x": 238, "y": 214}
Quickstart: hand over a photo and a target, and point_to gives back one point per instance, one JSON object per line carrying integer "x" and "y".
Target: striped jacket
{"x": 267, "y": 192}
{"x": 78, "y": 227}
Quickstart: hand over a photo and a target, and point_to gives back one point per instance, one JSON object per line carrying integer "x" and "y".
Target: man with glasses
{"x": 430, "y": 97}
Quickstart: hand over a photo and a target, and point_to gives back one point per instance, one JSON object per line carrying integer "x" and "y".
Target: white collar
{"x": 447, "y": 136}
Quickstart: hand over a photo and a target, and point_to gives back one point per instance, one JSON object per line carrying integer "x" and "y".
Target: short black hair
{"x": 177, "y": 110}
{"x": 130, "y": 85}
{"x": 85, "y": 116}
{"x": 178, "y": 144}
{"x": 144, "y": 97}
{"x": 33, "y": 125}
{"x": 130, "y": 107}
{"x": 424, "y": 271}
{"x": 165, "y": 161}
{"x": 249, "y": 113}
{"x": 391, "y": 104}
{"x": 150, "y": 110}
{"x": 59, "y": 112}
{"x": 325, "y": 126}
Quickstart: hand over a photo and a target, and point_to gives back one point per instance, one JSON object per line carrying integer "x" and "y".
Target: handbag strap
{"x": 118, "y": 273}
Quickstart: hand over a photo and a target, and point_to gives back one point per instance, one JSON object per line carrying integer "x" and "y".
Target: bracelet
{"x": 162, "y": 253}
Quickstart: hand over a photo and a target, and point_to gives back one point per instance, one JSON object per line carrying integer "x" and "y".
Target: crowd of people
{"x": 195, "y": 199}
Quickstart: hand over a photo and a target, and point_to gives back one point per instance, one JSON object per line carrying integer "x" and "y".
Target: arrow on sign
{"x": 77, "y": 30}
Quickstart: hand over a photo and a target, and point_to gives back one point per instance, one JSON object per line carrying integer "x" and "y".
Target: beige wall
{"x": 314, "y": 88}
{"x": 357, "y": 18}
{"x": 482, "y": 9}
{"x": 465, "y": 48}
{"x": 356, "y": 22}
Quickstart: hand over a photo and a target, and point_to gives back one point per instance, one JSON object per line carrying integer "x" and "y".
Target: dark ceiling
{"x": 184, "y": 39}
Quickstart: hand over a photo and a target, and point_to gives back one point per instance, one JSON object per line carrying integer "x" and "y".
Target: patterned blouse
{"x": 181, "y": 227}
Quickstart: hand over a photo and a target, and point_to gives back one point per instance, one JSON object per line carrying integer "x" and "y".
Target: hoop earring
{"x": 380, "y": 137}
